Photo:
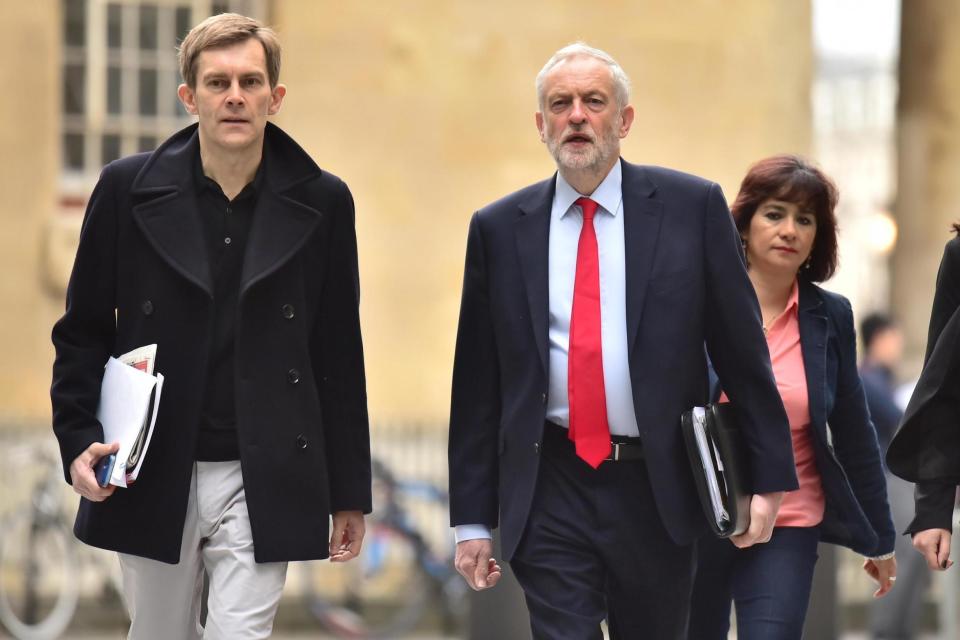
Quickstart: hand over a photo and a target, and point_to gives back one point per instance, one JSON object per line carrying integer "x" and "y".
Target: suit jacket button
{"x": 543, "y": 398}
{"x": 147, "y": 308}
{"x": 293, "y": 376}
{"x": 287, "y": 311}
{"x": 536, "y": 447}
{"x": 301, "y": 441}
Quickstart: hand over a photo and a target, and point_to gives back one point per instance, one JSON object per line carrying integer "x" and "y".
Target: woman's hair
{"x": 793, "y": 179}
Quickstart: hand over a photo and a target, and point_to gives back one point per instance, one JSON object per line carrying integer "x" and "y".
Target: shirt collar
{"x": 793, "y": 302}
{"x": 789, "y": 312}
{"x": 608, "y": 195}
{"x": 204, "y": 182}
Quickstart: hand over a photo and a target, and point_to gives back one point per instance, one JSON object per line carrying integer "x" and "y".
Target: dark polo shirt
{"x": 226, "y": 226}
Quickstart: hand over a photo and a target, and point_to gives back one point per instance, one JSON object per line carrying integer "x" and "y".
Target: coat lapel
{"x": 280, "y": 227}
{"x": 642, "y": 215}
{"x": 166, "y": 209}
{"x": 813, "y": 345}
{"x": 532, "y": 231}
{"x": 282, "y": 224}
{"x": 169, "y": 216}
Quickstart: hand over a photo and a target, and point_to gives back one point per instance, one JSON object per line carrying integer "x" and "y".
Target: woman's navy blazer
{"x": 857, "y": 514}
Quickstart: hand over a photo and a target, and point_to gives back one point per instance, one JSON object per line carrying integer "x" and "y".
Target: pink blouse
{"x": 803, "y": 507}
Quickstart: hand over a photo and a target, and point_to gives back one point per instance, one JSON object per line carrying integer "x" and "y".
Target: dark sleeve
{"x": 855, "y": 439}
{"x": 934, "y": 507}
{"x": 475, "y": 401}
{"x": 946, "y": 296}
{"x": 338, "y": 356}
{"x": 738, "y": 351}
{"x": 84, "y": 337}
{"x": 884, "y": 412}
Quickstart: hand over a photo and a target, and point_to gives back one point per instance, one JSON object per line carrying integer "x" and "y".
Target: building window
{"x": 120, "y": 77}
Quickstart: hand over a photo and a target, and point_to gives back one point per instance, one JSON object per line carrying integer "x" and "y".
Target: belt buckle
{"x": 615, "y": 451}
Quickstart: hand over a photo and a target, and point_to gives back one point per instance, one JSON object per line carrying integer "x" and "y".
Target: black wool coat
{"x": 926, "y": 449}
{"x": 142, "y": 276}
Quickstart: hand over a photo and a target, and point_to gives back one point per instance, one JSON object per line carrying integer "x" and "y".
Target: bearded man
{"x": 587, "y": 301}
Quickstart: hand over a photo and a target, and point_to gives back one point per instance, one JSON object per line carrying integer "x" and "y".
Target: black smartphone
{"x": 104, "y": 469}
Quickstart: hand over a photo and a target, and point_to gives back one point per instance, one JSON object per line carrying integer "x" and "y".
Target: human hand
{"x": 763, "y": 515}
{"x": 83, "y": 479}
{"x": 884, "y": 572}
{"x": 934, "y": 545}
{"x": 474, "y": 563}
{"x": 347, "y": 535}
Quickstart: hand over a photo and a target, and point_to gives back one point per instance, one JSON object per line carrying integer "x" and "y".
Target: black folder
{"x": 717, "y": 455}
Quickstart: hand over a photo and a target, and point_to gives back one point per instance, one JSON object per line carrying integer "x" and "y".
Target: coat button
{"x": 536, "y": 447}
{"x": 543, "y": 398}
{"x": 147, "y": 308}
{"x": 287, "y": 311}
{"x": 301, "y": 441}
{"x": 293, "y": 376}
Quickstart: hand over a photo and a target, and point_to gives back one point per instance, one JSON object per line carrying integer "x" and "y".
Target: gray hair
{"x": 621, "y": 83}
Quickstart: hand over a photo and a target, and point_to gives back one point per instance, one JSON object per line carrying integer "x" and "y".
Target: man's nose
{"x": 577, "y": 112}
{"x": 234, "y": 95}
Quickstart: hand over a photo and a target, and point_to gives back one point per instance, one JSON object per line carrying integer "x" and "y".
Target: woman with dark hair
{"x": 785, "y": 215}
{"x": 926, "y": 449}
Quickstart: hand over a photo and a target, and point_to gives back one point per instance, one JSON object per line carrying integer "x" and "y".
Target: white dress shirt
{"x": 566, "y": 222}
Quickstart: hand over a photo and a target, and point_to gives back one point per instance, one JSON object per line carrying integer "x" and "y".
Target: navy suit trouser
{"x": 595, "y": 548}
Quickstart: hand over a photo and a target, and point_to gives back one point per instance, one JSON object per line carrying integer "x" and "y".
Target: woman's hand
{"x": 934, "y": 545}
{"x": 884, "y": 572}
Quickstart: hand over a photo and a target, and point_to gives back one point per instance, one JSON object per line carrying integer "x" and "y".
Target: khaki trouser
{"x": 164, "y": 600}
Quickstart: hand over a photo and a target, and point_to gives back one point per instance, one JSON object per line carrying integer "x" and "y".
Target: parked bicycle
{"x": 40, "y": 560}
{"x": 399, "y": 578}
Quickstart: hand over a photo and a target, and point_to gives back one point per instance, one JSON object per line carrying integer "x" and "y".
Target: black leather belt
{"x": 622, "y": 448}
{"x": 625, "y": 451}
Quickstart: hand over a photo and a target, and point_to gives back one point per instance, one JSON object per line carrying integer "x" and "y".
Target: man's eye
{"x": 252, "y": 82}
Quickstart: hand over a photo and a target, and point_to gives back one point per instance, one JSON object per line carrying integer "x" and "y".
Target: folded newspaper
{"x": 129, "y": 398}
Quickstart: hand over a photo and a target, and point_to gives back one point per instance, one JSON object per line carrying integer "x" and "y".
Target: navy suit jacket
{"x": 845, "y": 442}
{"x": 685, "y": 285}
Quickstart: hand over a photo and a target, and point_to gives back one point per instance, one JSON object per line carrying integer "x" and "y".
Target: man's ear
{"x": 276, "y": 99}
{"x": 188, "y": 98}
{"x": 626, "y": 119}
{"x": 539, "y": 118}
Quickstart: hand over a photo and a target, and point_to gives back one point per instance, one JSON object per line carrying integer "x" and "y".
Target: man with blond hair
{"x": 229, "y": 249}
{"x": 587, "y": 300}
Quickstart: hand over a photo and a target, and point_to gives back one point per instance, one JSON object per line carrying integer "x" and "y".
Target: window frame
{"x": 95, "y": 121}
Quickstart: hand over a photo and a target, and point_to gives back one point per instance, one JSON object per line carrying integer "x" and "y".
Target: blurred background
{"x": 408, "y": 97}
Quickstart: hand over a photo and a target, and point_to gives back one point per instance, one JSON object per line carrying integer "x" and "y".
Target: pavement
{"x": 119, "y": 635}
{"x": 315, "y": 636}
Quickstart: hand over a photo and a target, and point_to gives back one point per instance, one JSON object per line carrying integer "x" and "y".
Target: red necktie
{"x": 589, "y": 430}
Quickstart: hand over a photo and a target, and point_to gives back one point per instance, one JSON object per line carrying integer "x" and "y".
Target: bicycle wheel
{"x": 380, "y": 594}
{"x": 38, "y": 576}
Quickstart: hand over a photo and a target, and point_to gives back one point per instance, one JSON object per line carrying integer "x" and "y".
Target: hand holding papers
{"x": 129, "y": 398}
{"x": 716, "y": 449}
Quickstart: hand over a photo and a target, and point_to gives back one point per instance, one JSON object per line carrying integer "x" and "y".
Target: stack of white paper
{"x": 129, "y": 398}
